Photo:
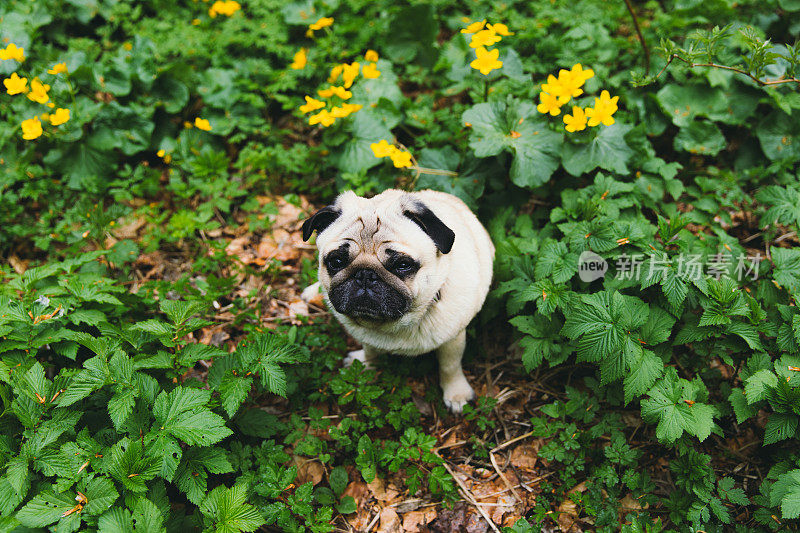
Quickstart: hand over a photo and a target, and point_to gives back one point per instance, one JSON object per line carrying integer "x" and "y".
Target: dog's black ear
{"x": 320, "y": 220}
{"x": 423, "y": 217}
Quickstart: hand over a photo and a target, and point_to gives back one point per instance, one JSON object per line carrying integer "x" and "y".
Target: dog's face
{"x": 381, "y": 259}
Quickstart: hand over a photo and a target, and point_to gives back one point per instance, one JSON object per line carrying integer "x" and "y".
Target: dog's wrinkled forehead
{"x": 368, "y": 222}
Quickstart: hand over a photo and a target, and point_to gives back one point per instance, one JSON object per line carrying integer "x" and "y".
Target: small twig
{"x": 512, "y": 441}
{"x": 467, "y": 495}
{"x": 504, "y": 478}
{"x": 691, "y": 64}
{"x": 373, "y": 521}
{"x": 641, "y": 37}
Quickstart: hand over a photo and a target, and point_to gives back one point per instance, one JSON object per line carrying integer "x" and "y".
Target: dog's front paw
{"x": 311, "y": 293}
{"x": 358, "y": 355}
{"x": 457, "y": 395}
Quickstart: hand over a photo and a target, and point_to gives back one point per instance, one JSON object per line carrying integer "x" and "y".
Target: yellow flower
{"x": 382, "y": 148}
{"x": 60, "y": 116}
{"x": 15, "y": 84}
{"x": 39, "y": 91}
{"x": 571, "y": 83}
{"x": 339, "y": 91}
{"x": 371, "y": 71}
{"x": 324, "y": 22}
{"x": 195, "y": 22}
{"x": 576, "y": 121}
{"x": 299, "y": 60}
{"x": 474, "y": 27}
{"x": 202, "y": 124}
{"x": 188, "y": 125}
{"x": 549, "y": 104}
{"x": 577, "y": 70}
{"x": 45, "y": 116}
{"x": 311, "y": 105}
{"x": 344, "y": 110}
{"x": 604, "y": 107}
{"x": 58, "y": 68}
{"x": 486, "y": 60}
{"x": 224, "y": 8}
{"x": 556, "y": 87}
{"x": 13, "y": 52}
{"x": 324, "y": 117}
{"x": 371, "y": 55}
{"x": 500, "y": 29}
{"x": 400, "y": 158}
{"x": 350, "y": 73}
{"x": 51, "y": 105}
{"x": 336, "y": 71}
{"x": 484, "y": 38}
{"x": 161, "y": 153}
{"x": 31, "y": 128}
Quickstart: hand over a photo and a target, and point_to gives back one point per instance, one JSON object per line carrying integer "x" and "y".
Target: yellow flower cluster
{"x": 299, "y": 60}
{"x": 227, "y": 8}
{"x": 484, "y": 35}
{"x": 400, "y": 158}
{"x": 12, "y": 52}
{"x": 348, "y": 74}
{"x": 559, "y": 91}
{"x": 323, "y": 22}
{"x": 38, "y": 92}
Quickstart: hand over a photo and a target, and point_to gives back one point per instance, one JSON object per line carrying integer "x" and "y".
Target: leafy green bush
{"x": 681, "y": 187}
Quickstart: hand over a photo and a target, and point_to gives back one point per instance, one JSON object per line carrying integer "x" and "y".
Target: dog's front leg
{"x": 366, "y": 355}
{"x": 457, "y": 391}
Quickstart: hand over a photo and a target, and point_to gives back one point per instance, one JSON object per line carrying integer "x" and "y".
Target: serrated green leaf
{"x": 642, "y": 375}
{"x": 607, "y": 150}
{"x": 232, "y": 391}
{"x": 758, "y": 385}
{"x": 779, "y": 427}
{"x": 45, "y": 509}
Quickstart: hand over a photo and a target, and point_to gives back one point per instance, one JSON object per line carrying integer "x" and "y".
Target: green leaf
{"x": 515, "y": 127}
{"x": 116, "y": 520}
{"x": 784, "y": 205}
{"x": 658, "y": 327}
{"x": 233, "y": 390}
{"x": 45, "y": 509}
{"x": 673, "y": 404}
{"x": 780, "y": 427}
{"x": 741, "y": 408}
{"x": 197, "y": 428}
{"x": 414, "y": 30}
{"x": 607, "y": 150}
{"x": 227, "y": 509}
{"x": 642, "y": 375}
{"x": 700, "y": 137}
{"x": 787, "y": 268}
{"x": 100, "y": 494}
{"x": 779, "y": 135}
{"x": 347, "y": 505}
{"x": 120, "y": 406}
{"x": 759, "y": 384}
{"x": 179, "y": 311}
{"x": 147, "y": 517}
{"x": 338, "y": 480}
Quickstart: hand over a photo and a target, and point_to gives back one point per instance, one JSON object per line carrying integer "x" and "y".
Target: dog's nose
{"x": 365, "y": 277}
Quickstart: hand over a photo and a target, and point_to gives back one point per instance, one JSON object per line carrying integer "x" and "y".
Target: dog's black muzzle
{"x": 366, "y": 295}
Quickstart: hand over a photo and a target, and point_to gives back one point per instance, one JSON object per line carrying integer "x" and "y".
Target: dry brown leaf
{"x": 383, "y": 493}
{"x": 506, "y": 502}
{"x": 412, "y": 520}
{"x": 308, "y": 470}
{"x": 390, "y": 521}
{"x": 524, "y": 457}
{"x": 131, "y": 229}
{"x": 359, "y": 491}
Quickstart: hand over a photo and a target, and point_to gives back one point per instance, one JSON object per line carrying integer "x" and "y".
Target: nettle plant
{"x": 99, "y": 422}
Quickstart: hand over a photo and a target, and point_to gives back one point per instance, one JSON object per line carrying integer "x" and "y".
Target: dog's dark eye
{"x": 404, "y": 266}
{"x": 335, "y": 262}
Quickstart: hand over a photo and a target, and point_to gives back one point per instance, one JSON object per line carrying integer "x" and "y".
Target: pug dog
{"x": 405, "y": 273}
